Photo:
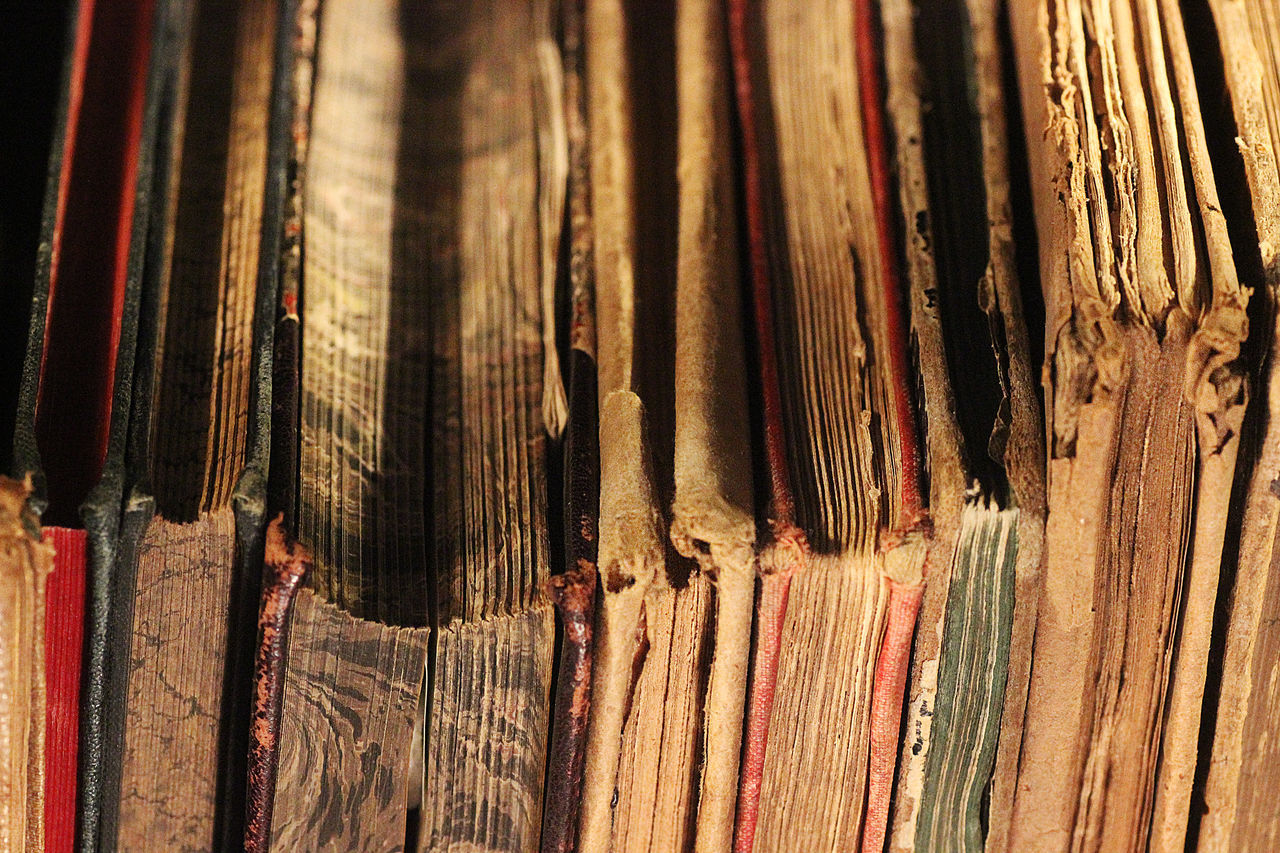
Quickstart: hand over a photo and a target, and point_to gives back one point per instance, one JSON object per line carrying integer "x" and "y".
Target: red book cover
{"x": 89, "y": 271}
{"x": 96, "y": 197}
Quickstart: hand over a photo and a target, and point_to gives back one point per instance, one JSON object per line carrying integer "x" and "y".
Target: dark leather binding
{"x": 173, "y": 24}
{"x": 293, "y": 98}
{"x": 573, "y": 593}
{"x": 574, "y": 590}
{"x": 107, "y": 652}
{"x": 284, "y": 563}
{"x": 248, "y": 499}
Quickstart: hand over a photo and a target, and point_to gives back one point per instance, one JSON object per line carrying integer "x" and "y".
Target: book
{"x": 1227, "y": 789}
{"x": 1145, "y": 317}
{"x": 574, "y": 589}
{"x": 652, "y": 637}
{"x": 965, "y": 254}
{"x": 73, "y": 406}
{"x": 850, "y": 532}
{"x": 193, "y": 516}
{"x": 424, "y": 618}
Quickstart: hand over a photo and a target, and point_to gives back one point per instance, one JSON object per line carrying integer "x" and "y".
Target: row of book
{"x": 584, "y": 425}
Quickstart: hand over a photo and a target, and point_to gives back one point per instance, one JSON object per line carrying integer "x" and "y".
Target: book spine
{"x": 574, "y": 596}
{"x": 786, "y": 551}
{"x": 912, "y": 518}
{"x": 631, "y": 553}
{"x": 713, "y": 510}
{"x": 892, "y": 668}
{"x": 574, "y": 591}
{"x": 284, "y": 564}
{"x": 282, "y": 477}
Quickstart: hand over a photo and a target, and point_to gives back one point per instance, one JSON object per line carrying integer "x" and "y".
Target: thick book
{"x": 1145, "y": 393}
{"x": 972, "y": 295}
{"x": 194, "y": 509}
{"x": 416, "y": 690}
{"x": 1228, "y": 794}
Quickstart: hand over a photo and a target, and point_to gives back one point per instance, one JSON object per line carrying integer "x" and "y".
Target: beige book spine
{"x": 630, "y": 555}
{"x": 1041, "y": 814}
{"x": 631, "y": 552}
{"x": 1119, "y": 672}
{"x": 712, "y": 518}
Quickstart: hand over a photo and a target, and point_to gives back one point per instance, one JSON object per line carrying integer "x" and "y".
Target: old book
{"x": 947, "y": 101}
{"x": 380, "y": 665}
{"x": 712, "y": 510}
{"x": 421, "y": 387}
{"x": 196, "y": 464}
{"x": 653, "y": 634}
{"x": 574, "y": 589}
{"x": 1144, "y": 400}
{"x": 73, "y": 405}
{"x": 1237, "y": 755}
{"x": 839, "y": 432}
{"x": 319, "y": 744}
{"x": 284, "y": 563}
